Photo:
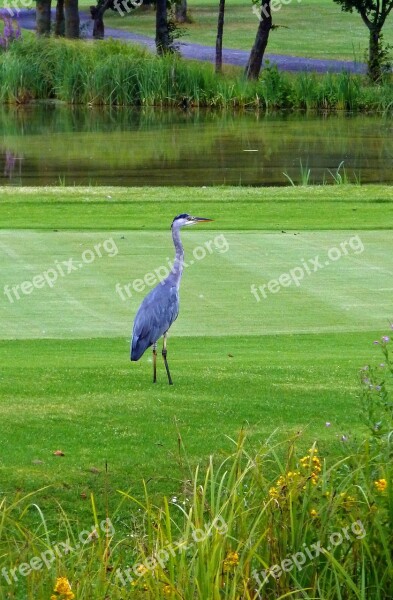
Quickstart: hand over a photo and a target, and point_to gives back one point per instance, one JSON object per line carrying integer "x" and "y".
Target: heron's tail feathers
{"x": 138, "y": 348}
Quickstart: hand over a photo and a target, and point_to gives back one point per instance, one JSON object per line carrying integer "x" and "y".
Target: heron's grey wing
{"x": 155, "y": 315}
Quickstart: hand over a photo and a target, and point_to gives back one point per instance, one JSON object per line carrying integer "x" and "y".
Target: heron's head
{"x": 185, "y": 219}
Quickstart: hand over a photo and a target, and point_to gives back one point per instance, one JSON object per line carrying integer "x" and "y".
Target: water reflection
{"x": 12, "y": 167}
{"x": 52, "y": 144}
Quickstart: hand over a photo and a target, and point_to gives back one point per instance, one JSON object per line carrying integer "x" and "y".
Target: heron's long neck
{"x": 177, "y": 268}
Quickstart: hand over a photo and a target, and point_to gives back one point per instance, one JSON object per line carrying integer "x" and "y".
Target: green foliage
{"x": 366, "y": 7}
{"x": 374, "y": 14}
{"x": 305, "y": 176}
{"x": 381, "y": 60}
{"x": 306, "y": 90}
{"x": 118, "y": 74}
{"x": 339, "y": 176}
{"x": 275, "y": 87}
{"x": 271, "y": 521}
{"x": 258, "y": 509}
{"x": 376, "y": 394}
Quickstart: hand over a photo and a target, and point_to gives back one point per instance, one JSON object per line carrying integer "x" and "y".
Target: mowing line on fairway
{"x": 240, "y": 291}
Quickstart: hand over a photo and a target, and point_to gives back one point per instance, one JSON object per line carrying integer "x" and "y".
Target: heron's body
{"x": 160, "y": 307}
{"x": 155, "y": 316}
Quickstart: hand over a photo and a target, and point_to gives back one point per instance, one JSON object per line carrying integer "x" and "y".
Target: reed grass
{"x": 115, "y": 73}
{"x": 262, "y": 522}
{"x": 226, "y": 535}
{"x": 338, "y": 177}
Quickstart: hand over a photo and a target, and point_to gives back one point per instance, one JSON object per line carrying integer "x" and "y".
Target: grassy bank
{"x": 303, "y": 208}
{"x": 115, "y": 73}
{"x": 268, "y": 520}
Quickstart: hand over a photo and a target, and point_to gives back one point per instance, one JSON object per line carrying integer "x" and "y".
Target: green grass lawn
{"x": 312, "y": 28}
{"x": 289, "y": 361}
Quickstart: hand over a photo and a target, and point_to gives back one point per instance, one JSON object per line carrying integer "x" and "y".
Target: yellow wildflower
{"x": 137, "y": 584}
{"x": 313, "y": 463}
{"x": 381, "y": 485}
{"x": 231, "y": 560}
{"x": 313, "y": 513}
{"x": 316, "y": 464}
{"x": 63, "y": 588}
{"x": 348, "y": 501}
{"x": 273, "y": 492}
{"x": 142, "y": 570}
{"x": 293, "y": 475}
{"x": 288, "y": 481}
{"x": 167, "y": 590}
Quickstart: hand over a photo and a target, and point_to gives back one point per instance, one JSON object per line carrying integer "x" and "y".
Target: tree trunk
{"x": 374, "y": 56}
{"x": 220, "y": 30}
{"x": 162, "y": 32}
{"x": 60, "y": 23}
{"x": 258, "y": 50}
{"x": 43, "y": 17}
{"x": 181, "y": 11}
{"x": 98, "y": 22}
{"x": 97, "y": 14}
{"x": 71, "y": 13}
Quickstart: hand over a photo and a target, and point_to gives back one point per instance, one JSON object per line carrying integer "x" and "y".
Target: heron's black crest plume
{"x": 182, "y": 216}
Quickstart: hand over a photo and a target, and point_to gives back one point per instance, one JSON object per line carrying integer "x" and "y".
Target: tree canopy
{"x": 367, "y": 7}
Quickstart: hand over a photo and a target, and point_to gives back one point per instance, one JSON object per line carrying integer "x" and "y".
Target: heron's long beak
{"x": 201, "y": 220}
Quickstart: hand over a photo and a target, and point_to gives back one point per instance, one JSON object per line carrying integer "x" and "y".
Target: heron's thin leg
{"x": 154, "y": 362}
{"x": 164, "y": 353}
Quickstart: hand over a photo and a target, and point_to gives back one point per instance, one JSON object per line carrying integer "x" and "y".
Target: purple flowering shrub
{"x": 376, "y": 392}
{"x": 11, "y": 31}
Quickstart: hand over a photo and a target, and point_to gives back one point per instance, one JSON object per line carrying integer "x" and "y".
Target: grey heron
{"x": 159, "y": 309}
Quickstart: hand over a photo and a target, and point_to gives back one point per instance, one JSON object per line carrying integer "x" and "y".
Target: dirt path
{"x": 207, "y": 53}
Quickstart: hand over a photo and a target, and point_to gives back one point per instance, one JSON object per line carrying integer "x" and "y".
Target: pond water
{"x": 51, "y": 144}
